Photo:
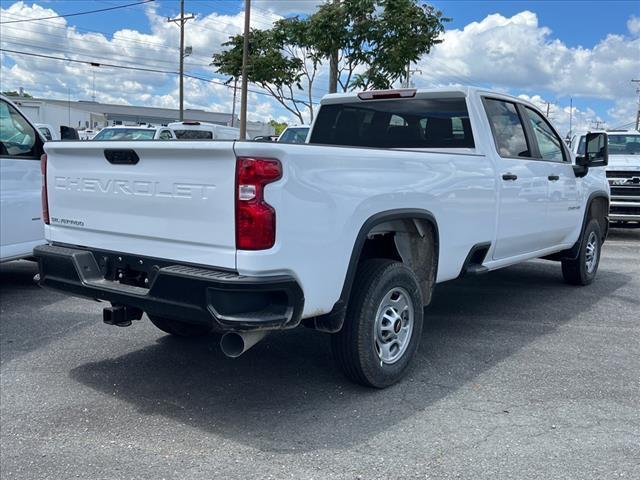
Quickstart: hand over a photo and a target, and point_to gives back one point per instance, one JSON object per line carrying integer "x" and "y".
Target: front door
{"x": 563, "y": 212}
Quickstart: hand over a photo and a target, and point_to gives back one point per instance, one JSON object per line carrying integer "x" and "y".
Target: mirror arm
{"x": 580, "y": 170}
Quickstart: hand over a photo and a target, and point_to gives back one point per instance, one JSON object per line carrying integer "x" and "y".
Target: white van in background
{"x": 190, "y": 130}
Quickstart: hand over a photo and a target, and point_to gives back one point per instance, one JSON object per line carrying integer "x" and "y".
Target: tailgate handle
{"x": 121, "y": 156}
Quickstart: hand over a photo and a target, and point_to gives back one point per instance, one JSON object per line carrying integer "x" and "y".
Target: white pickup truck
{"x": 396, "y": 191}
{"x": 623, "y": 173}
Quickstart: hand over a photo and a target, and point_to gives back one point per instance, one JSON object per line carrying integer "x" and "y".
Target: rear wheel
{"x": 383, "y": 326}
{"x": 582, "y": 270}
{"x": 178, "y": 328}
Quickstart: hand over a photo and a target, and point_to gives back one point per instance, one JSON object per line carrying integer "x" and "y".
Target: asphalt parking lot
{"x": 519, "y": 376}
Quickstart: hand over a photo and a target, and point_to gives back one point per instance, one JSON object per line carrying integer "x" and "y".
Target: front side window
{"x": 45, "y": 133}
{"x": 17, "y": 137}
{"x": 507, "y": 128}
{"x": 549, "y": 143}
{"x": 403, "y": 123}
{"x": 165, "y": 135}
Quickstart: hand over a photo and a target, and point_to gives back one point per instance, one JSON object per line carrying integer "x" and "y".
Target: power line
{"x": 141, "y": 69}
{"x": 78, "y": 13}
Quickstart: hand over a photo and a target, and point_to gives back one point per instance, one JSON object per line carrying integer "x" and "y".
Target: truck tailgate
{"x": 176, "y": 202}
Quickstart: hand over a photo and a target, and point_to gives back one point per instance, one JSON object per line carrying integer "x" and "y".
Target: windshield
{"x": 294, "y": 135}
{"x": 618, "y": 145}
{"x": 126, "y": 134}
{"x": 193, "y": 134}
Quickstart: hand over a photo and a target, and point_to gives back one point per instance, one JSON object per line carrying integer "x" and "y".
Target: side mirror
{"x": 596, "y": 151}
{"x": 68, "y": 133}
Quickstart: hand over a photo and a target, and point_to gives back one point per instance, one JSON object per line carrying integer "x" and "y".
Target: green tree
{"x": 376, "y": 39}
{"x": 14, "y": 93}
{"x": 273, "y": 65}
{"x": 278, "y": 126}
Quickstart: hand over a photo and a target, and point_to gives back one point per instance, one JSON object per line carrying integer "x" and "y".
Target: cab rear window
{"x": 193, "y": 134}
{"x": 410, "y": 123}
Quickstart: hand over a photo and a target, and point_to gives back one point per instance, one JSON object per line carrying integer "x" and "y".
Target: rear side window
{"x": 507, "y": 128}
{"x": 406, "y": 123}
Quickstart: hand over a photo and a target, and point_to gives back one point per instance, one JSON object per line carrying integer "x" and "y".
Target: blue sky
{"x": 557, "y": 50}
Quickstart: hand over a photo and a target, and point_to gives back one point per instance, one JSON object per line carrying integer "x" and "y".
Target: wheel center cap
{"x": 397, "y": 326}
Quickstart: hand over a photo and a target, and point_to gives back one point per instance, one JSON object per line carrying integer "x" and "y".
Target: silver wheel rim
{"x": 591, "y": 252}
{"x": 394, "y": 325}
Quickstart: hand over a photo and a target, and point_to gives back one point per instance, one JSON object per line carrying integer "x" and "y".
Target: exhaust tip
{"x": 232, "y": 344}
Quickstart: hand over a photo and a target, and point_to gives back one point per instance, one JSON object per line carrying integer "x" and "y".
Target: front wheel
{"x": 383, "y": 325}
{"x": 582, "y": 270}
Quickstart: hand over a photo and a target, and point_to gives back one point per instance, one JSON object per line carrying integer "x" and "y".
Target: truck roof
{"x": 452, "y": 91}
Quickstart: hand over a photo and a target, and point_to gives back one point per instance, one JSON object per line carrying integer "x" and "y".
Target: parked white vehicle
{"x": 47, "y": 131}
{"x": 145, "y": 132}
{"x": 87, "y": 133}
{"x": 21, "y": 145}
{"x": 623, "y": 173}
{"x": 190, "y": 130}
{"x": 294, "y": 134}
{"x": 248, "y": 237}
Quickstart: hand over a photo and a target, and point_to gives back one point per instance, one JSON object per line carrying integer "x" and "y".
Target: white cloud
{"x": 564, "y": 117}
{"x": 518, "y": 55}
{"x": 287, "y": 7}
{"x": 633, "y": 25}
{"x": 513, "y": 54}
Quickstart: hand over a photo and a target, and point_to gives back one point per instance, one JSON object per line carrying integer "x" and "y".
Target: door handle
{"x": 509, "y": 176}
{"x": 553, "y": 178}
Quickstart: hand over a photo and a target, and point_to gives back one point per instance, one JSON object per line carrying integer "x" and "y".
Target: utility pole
{"x": 596, "y": 124}
{"x": 333, "y": 66}
{"x": 245, "y": 68}
{"x": 570, "y": 117}
{"x": 181, "y": 20}
{"x": 548, "y": 104}
{"x": 233, "y": 107}
{"x": 637, "y": 82}
{"x": 407, "y": 80}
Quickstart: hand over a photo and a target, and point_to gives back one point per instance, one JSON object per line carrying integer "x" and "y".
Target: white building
{"x": 83, "y": 114}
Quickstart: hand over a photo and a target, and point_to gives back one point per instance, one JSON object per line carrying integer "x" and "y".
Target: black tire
{"x": 355, "y": 347}
{"x": 178, "y": 328}
{"x": 579, "y": 271}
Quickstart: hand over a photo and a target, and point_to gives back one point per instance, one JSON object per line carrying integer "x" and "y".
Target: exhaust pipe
{"x": 234, "y": 344}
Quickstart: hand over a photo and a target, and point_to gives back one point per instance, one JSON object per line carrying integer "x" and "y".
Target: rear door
{"x": 522, "y": 208}
{"x": 171, "y": 200}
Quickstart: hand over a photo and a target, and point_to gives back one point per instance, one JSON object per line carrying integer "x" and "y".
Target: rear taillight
{"x": 255, "y": 218}
{"x": 45, "y": 200}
